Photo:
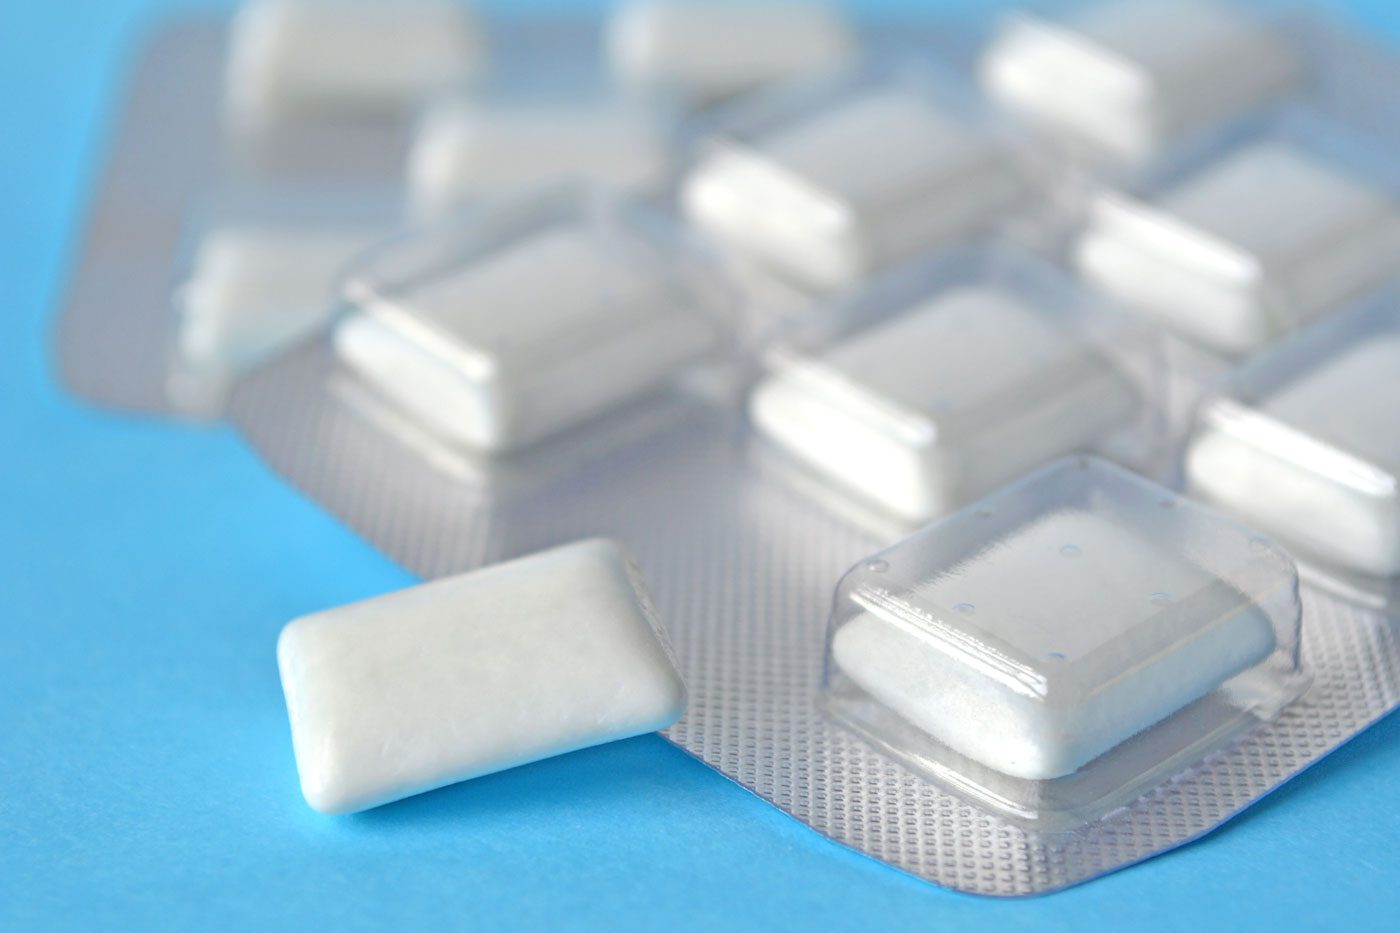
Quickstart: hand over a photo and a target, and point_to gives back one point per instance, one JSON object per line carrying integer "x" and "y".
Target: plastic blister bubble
{"x": 706, "y": 51}
{"x": 1234, "y": 245}
{"x": 790, "y": 177}
{"x": 513, "y": 324}
{"x": 465, "y": 148}
{"x": 1132, "y": 76}
{"x": 259, "y": 272}
{"x": 1306, "y": 443}
{"x": 938, "y": 383}
{"x": 1065, "y": 643}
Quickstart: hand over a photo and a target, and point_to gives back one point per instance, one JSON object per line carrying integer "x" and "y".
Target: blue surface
{"x": 146, "y": 775}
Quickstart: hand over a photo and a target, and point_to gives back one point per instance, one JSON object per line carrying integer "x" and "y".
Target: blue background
{"x": 146, "y": 774}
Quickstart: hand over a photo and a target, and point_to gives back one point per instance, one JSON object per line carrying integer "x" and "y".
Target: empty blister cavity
{"x": 940, "y": 384}
{"x": 1130, "y": 75}
{"x": 828, "y": 186}
{"x": 1070, "y": 642}
{"x": 292, "y": 59}
{"x": 500, "y": 328}
{"x": 1270, "y": 235}
{"x": 703, "y": 51}
{"x": 466, "y": 149}
{"x": 1305, "y": 443}
{"x": 461, "y": 677}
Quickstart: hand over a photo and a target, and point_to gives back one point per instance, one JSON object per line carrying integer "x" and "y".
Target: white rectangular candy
{"x": 1065, "y": 609}
{"x": 1246, "y": 249}
{"x": 473, "y": 674}
{"x": 1316, "y": 461}
{"x": 1129, "y": 75}
{"x": 945, "y": 401}
{"x": 704, "y": 50}
{"x": 465, "y": 150}
{"x": 499, "y": 350}
{"x": 290, "y": 58}
{"x": 1063, "y": 617}
{"x": 835, "y": 195}
{"x": 251, "y": 292}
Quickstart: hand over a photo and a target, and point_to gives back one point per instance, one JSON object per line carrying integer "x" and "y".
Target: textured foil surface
{"x": 742, "y": 560}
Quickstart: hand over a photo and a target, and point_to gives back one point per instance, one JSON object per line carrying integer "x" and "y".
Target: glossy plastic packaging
{"x": 791, "y": 178}
{"x": 466, "y": 149}
{"x": 704, "y": 51}
{"x": 1133, "y": 76}
{"x": 1305, "y": 441}
{"x": 936, "y": 384}
{"x": 294, "y": 58}
{"x": 502, "y": 328}
{"x": 1235, "y": 245}
{"x": 1065, "y": 643}
{"x": 260, "y": 272}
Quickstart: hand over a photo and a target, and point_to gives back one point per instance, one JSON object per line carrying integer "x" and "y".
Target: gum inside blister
{"x": 316, "y": 57}
{"x": 1128, "y": 78}
{"x": 1233, "y": 245}
{"x": 303, "y": 97}
{"x": 312, "y": 86}
{"x": 468, "y": 147}
{"x": 940, "y": 382}
{"x": 1305, "y": 442}
{"x": 501, "y": 328}
{"x": 1065, "y": 644}
{"x": 259, "y": 271}
{"x": 790, "y": 179}
{"x": 706, "y": 51}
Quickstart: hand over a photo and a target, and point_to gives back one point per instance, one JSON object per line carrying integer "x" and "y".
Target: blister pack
{"x": 1053, "y": 521}
{"x": 292, "y": 94}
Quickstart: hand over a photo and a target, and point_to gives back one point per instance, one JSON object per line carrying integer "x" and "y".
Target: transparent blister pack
{"x": 1112, "y": 85}
{"x": 289, "y": 59}
{"x": 1223, "y": 169}
{"x": 1120, "y": 669}
{"x": 940, "y": 382}
{"x": 112, "y": 333}
{"x": 1305, "y": 442}
{"x": 743, "y": 562}
{"x": 702, "y": 52}
{"x": 281, "y": 93}
{"x": 1068, "y": 642}
{"x": 511, "y": 324}
{"x": 467, "y": 148}
{"x": 789, "y": 177}
{"x": 1123, "y": 80}
{"x": 258, "y": 272}
{"x": 313, "y": 83}
{"x": 1234, "y": 244}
